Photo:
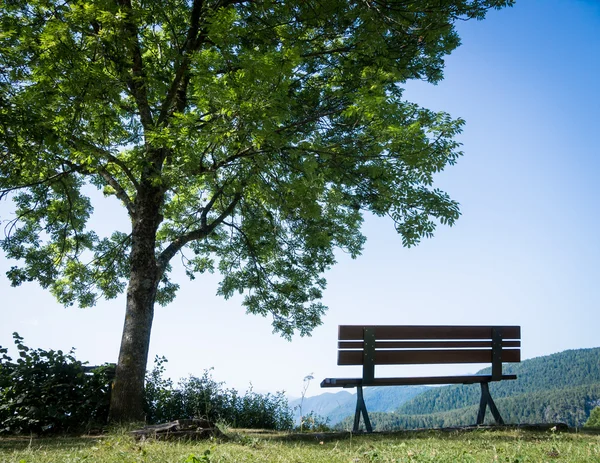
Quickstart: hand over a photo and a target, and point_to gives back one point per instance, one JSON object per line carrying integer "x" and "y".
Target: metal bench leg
{"x": 361, "y": 408}
{"x": 486, "y": 399}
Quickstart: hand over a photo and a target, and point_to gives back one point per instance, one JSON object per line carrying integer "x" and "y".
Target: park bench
{"x": 109, "y": 368}
{"x": 423, "y": 345}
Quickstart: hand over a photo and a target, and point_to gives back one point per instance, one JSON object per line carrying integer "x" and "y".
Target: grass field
{"x": 508, "y": 445}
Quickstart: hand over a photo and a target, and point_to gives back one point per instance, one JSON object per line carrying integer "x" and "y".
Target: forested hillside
{"x": 562, "y": 387}
{"x": 558, "y": 371}
{"x": 571, "y": 406}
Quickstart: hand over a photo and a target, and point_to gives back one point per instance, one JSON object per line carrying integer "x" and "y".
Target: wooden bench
{"x": 109, "y": 368}
{"x": 422, "y": 345}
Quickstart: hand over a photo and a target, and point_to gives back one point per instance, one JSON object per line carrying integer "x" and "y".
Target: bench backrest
{"x": 404, "y": 344}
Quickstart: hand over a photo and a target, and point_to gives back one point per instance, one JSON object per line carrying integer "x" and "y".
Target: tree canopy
{"x": 249, "y": 137}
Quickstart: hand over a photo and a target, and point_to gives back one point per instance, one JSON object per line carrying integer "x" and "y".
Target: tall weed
{"x": 203, "y": 397}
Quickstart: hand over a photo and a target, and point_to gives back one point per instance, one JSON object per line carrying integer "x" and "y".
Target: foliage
{"x": 203, "y": 397}
{"x": 313, "y": 422}
{"x": 594, "y": 419}
{"x": 204, "y": 458}
{"x": 507, "y": 446}
{"x": 253, "y": 133}
{"x": 49, "y": 391}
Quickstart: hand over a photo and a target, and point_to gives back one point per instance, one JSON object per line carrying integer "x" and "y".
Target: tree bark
{"x": 127, "y": 396}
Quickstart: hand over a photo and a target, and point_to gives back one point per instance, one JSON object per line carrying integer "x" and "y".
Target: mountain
{"x": 323, "y": 405}
{"x": 337, "y": 406}
{"x": 562, "y": 387}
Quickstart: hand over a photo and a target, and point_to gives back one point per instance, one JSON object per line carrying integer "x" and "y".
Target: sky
{"x": 525, "y": 251}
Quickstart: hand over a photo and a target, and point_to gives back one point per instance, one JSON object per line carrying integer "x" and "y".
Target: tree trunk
{"x": 127, "y": 396}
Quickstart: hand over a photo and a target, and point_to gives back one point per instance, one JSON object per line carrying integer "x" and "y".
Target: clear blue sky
{"x": 526, "y": 250}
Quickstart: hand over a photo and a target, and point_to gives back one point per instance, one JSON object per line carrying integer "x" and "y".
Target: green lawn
{"x": 424, "y": 446}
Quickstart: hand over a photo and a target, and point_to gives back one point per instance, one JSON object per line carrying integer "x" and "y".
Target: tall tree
{"x": 249, "y": 136}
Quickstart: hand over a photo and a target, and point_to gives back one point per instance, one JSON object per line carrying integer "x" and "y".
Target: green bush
{"x": 204, "y": 397}
{"x": 49, "y": 391}
{"x": 313, "y": 422}
{"x": 594, "y": 419}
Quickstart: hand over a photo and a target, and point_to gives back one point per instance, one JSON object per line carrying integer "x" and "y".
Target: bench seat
{"x": 415, "y": 381}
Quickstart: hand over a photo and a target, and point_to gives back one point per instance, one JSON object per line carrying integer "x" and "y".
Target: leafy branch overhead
{"x": 262, "y": 131}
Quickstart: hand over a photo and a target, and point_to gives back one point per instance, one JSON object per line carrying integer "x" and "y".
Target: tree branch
{"x": 261, "y": 272}
{"x": 115, "y": 160}
{"x": 120, "y": 192}
{"x": 196, "y": 36}
{"x": 108, "y": 178}
{"x": 244, "y": 153}
{"x": 313, "y": 118}
{"x": 327, "y": 52}
{"x": 198, "y": 234}
{"x": 110, "y": 157}
{"x": 137, "y": 82}
{"x": 174, "y": 91}
{"x": 50, "y": 179}
{"x": 178, "y": 87}
{"x": 206, "y": 209}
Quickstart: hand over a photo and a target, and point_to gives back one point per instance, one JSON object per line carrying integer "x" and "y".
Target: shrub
{"x": 49, "y": 391}
{"x": 203, "y": 397}
{"x": 266, "y": 411}
{"x": 594, "y": 419}
{"x": 314, "y": 422}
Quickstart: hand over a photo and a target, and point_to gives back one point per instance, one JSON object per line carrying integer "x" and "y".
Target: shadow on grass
{"x": 19, "y": 443}
{"x": 249, "y": 436}
{"x": 506, "y": 433}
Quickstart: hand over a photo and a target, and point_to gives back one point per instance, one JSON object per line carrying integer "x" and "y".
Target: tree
{"x": 594, "y": 419}
{"x": 247, "y": 136}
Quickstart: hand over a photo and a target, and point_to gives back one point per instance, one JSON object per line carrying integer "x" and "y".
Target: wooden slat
{"x": 413, "y": 381}
{"x": 421, "y": 357}
{"x": 425, "y": 344}
{"x": 355, "y": 332}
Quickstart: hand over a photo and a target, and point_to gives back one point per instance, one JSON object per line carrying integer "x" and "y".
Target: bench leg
{"x": 361, "y": 408}
{"x": 486, "y": 400}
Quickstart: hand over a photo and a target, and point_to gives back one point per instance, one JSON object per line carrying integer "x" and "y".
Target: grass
{"x": 506, "y": 445}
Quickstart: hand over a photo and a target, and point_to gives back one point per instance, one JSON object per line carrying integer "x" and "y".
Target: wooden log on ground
{"x": 179, "y": 429}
